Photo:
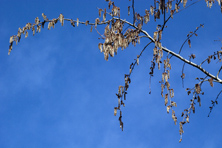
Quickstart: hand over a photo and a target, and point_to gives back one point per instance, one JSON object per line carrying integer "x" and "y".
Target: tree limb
{"x": 175, "y": 54}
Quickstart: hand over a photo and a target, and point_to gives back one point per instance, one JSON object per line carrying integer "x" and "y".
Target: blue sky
{"x": 56, "y": 89}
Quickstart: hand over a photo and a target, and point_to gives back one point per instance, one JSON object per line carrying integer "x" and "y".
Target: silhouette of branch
{"x": 220, "y": 40}
{"x": 213, "y": 103}
{"x": 134, "y": 20}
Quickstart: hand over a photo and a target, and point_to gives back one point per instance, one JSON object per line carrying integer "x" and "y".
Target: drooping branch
{"x": 51, "y": 23}
{"x": 122, "y": 91}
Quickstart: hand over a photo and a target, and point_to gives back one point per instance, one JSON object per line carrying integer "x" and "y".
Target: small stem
{"x": 219, "y": 71}
{"x": 133, "y": 13}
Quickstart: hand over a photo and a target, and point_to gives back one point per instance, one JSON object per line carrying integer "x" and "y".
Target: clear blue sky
{"x": 57, "y": 91}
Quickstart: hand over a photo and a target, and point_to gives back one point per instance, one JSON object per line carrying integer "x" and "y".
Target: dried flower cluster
{"x": 114, "y": 38}
{"x": 210, "y": 3}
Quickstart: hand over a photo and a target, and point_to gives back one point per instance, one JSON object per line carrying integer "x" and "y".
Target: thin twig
{"x": 188, "y": 37}
{"x": 139, "y": 56}
{"x": 208, "y": 58}
{"x": 213, "y": 103}
{"x": 134, "y": 20}
{"x": 99, "y": 33}
{"x": 124, "y": 91}
{"x": 219, "y": 71}
{"x": 188, "y": 6}
{"x": 165, "y": 21}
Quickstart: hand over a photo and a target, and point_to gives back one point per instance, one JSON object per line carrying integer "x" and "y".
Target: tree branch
{"x": 175, "y": 54}
{"x": 189, "y": 36}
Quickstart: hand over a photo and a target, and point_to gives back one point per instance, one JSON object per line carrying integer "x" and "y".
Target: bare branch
{"x": 211, "y": 56}
{"x": 189, "y": 36}
{"x": 123, "y": 89}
